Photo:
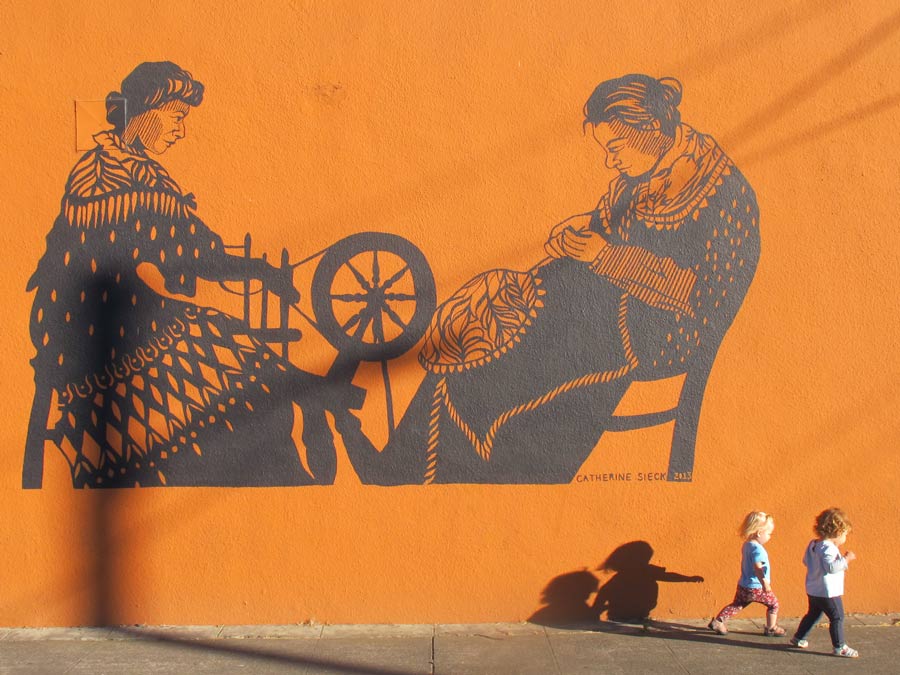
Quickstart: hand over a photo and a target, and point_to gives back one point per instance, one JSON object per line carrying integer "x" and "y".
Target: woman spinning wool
{"x": 148, "y": 389}
{"x": 526, "y": 368}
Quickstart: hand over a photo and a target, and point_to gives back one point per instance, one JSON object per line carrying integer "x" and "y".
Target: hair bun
{"x": 673, "y": 89}
{"x": 115, "y": 109}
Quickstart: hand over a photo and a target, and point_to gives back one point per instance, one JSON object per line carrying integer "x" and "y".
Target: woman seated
{"x": 524, "y": 369}
{"x": 148, "y": 389}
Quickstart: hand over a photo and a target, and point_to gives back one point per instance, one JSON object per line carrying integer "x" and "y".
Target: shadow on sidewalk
{"x": 227, "y": 647}
{"x": 110, "y": 507}
{"x": 665, "y": 630}
{"x": 669, "y": 630}
{"x": 577, "y": 601}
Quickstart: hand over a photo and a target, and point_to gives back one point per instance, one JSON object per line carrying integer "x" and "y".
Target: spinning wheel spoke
{"x": 359, "y": 276}
{"x": 350, "y": 297}
{"x": 376, "y": 271}
{"x": 399, "y": 296}
{"x": 355, "y": 319}
{"x": 365, "y": 322}
{"x": 394, "y": 278}
{"x": 393, "y": 316}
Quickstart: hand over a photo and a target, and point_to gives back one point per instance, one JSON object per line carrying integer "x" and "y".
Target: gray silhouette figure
{"x": 525, "y": 368}
{"x": 135, "y": 388}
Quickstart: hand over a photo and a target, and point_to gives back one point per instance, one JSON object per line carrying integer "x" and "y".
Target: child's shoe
{"x": 846, "y": 651}
{"x": 774, "y": 631}
{"x": 799, "y": 644}
{"x": 717, "y": 627}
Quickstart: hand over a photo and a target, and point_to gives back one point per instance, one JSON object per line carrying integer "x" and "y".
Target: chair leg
{"x": 684, "y": 438}
{"x": 33, "y": 467}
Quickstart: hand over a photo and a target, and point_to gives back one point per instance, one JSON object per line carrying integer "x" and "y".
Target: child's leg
{"x": 741, "y": 600}
{"x": 834, "y": 610}
{"x": 811, "y": 618}
{"x": 768, "y": 599}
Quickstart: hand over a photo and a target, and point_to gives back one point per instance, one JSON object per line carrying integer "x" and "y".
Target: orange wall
{"x": 460, "y": 129}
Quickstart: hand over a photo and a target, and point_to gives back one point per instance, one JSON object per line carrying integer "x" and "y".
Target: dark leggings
{"x": 833, "y": 608}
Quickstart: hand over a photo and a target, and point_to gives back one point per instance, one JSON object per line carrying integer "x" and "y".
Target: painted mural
{"x": 522, "y": 370}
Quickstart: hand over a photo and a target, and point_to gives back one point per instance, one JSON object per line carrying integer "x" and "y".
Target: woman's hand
{"x": 581, "y": 245}
{"x": 554, "y": 246}
{"x": 282, "y": 285}
{"x": 581, "y": 221}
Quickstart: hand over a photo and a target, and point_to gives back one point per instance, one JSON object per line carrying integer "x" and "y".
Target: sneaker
{"x": 799, "y": 644}
{"x": 846, "y": 651}
{"x": 717, "y": 626}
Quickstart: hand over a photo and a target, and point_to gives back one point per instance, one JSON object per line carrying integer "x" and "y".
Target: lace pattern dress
{"x": 150, "y": 390}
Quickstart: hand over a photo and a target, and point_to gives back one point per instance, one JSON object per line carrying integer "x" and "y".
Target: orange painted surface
{"x": 459, "y": 128}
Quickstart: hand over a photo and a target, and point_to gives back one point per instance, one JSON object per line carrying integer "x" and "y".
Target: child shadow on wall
{"x": 632, "y": 592}
{"x": 628, "y": 596}
{"x": 565, "y": 599}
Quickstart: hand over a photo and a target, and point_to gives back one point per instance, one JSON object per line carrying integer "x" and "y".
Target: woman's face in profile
{"x": 630, "y": 151}
{"x": 158, "y": 129}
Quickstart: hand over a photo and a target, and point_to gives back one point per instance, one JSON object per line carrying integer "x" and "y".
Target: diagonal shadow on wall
{"x": 818, "y": 131}
{"x": 110, "y": 507}
{"x": 814, "y": 82}
{"x": 107, "y": 611}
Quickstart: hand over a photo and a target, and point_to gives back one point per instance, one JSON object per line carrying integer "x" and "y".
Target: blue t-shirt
{"x": 753, "y": 552}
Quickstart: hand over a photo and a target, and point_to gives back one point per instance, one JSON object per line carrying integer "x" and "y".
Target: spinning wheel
{"x": 373, "y": 296}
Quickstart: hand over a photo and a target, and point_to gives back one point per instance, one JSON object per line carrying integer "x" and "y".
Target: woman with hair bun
{"x": 525, "y": 369}
{"x": 677, "y": 231}
{"x": 149, "y": 390}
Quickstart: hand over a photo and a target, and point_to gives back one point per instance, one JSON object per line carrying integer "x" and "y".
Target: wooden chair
{"x": 684, "y": 411}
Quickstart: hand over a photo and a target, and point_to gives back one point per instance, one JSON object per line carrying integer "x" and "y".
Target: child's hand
{"x": 767, "y": 587}
{"x": 849, "y": 555}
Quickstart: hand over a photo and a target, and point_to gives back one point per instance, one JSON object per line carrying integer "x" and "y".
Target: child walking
{"x": 825, "y": 568}
{"x": 755, "y": 584}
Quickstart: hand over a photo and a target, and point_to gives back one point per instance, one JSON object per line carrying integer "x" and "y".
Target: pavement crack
{"x": 433, "y": 640}
{"x": 552, "y": 653}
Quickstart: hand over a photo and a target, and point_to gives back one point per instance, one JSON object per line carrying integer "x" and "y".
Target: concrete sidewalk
{"x": 679, "y": 646}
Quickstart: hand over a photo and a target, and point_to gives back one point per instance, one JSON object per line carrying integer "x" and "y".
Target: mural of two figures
{"x": 522, "y": 369}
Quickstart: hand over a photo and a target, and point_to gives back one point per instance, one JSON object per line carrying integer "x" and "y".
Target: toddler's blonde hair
{"x": 753, "y": 523}
{"x": 832, "y": 523}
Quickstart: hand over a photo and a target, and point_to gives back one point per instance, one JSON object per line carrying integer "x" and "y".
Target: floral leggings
{"x": 743, "y": 597}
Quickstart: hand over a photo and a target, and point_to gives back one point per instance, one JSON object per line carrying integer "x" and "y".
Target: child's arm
{"x": 834, "y": 561}
{"x": 760, "y": 570}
